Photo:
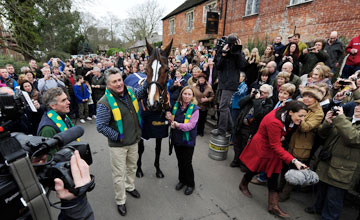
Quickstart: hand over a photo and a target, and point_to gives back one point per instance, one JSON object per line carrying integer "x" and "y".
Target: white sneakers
{"x": 82, "y": 121}
{"x": 94, "y": 116}
{"x": 89, "y": 119}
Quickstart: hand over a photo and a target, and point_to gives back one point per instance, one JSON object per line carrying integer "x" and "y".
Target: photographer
{"x": 49, "y": 81}
{"x": 253, "y": 108}
{"x": 312, "y": 56}
{"x": 229, "y": 61}
{"x": 339, "y": 164}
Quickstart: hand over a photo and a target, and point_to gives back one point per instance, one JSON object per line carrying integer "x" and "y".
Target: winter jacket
{"x": 98, "y": 92}
{"x": 264, "y": 152}
{"x": 353, "y": 60}
{"x": 81, "y": 92}
{"x": 229, "y": 67}
{"x": 342, "y": 170}
{"x": 302, "y": 140}
{"x": 239, "y": 94}
{"x": 335, "y": 52}
{"x": 310, "y": 59}
{"x": 208, "y": 92}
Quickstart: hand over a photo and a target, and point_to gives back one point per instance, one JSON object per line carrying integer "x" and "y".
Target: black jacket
{"x": 261, "y": 108}
{"x": 335, "y": 52}
{"x": 229, "y": 67}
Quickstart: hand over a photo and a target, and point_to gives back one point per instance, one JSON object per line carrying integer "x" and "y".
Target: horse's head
{"x": 157, "y": 76}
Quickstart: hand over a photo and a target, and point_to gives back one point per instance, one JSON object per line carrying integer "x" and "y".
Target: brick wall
{"x": 313, "y": 20}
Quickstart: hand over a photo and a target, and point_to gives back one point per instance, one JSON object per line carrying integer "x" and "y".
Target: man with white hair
{"x": 49, "y": 81}
{"x": 334, "y": 48}
{"x": 273, "y": 72}
{"x": 294, "y": 79}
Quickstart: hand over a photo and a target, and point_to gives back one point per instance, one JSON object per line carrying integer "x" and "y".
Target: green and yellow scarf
{"x": 59, "y": 122}
{"x": 188, "y": 114}
{"x": 116, "y": 110}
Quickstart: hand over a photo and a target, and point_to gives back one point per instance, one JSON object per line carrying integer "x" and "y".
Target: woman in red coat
{"x": 265, "y": 152}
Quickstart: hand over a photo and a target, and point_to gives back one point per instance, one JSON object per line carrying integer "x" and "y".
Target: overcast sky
{"x": 99, "y": 8}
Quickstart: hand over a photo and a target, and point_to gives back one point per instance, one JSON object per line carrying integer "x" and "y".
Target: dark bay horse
{"x": 154, "y": 122}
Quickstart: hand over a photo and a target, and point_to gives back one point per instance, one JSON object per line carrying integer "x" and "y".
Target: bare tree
{"x": 143, "y": 21}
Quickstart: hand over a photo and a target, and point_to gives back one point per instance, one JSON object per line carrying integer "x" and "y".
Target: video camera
{"x": 231, "y": 40}
{"x": 57, "y": 165}
{"x": 14, "y": 146}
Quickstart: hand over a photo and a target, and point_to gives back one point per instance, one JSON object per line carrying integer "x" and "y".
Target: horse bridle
{"x": 161, "y": 89}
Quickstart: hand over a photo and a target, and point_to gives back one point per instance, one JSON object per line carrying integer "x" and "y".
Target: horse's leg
{"x": 159, "y": 173}
{"x": 139, "y": 172}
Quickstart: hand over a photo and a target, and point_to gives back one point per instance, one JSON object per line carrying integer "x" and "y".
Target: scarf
{"x": 188, "y": 114}
{"x": 56, "y": 118}
{"x": 116, "y": 110}
{"x": 202, "y": 87}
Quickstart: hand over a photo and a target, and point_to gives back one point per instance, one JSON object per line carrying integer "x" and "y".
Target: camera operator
{"x": 339, "y": 164}
{"x": 55, "y": 119}
{"x": 229, "y": 61}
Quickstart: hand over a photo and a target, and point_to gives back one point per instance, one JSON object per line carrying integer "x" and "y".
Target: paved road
{"x": 216, "y": 196}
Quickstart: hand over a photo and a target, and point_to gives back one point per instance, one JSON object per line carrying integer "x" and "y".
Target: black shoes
{"x": 179, "y": 186}
{"x": 189, "y": 190}
{"x": 235, "y": 163}
{"x": 122, "y": 209}
{"x": 311, "y": 210}
{"x": 134, "y": 193}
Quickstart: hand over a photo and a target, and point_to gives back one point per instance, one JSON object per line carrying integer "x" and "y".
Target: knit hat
{"x": 315, "y": 91}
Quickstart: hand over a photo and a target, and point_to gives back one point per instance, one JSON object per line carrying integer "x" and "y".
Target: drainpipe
{"x": 226, "y": 4}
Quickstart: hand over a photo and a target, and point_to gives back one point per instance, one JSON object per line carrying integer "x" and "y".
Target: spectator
{"x": 251, "y": 68}
{"x": 239, "y": 94}
{"x": 278, "y": 49}
{"x": 177, "y": 84}
{"x": 294, "y": 79}
{"x": 320, "y": 74}
{"x": 11, "y": 70}
{"x": 204, "y": 96}
{"x": 6, "y": 79}
{"x": 56, "y": 62}
{"x": 267, "y": 57}
{"x": 82, "y": 97}
{"x": 340, "y": 172}
{"x": 184, "y": 72}
{"x": 49, "y": 81}
{"x": 285, "y": 94}
{"x": 302, "y": 139}
{"x": 34, "y": 69}
{"x": 335, "y": 49}
{"x": 265, "y": 152}
{"x": 98, "y": 85}
{"x": 32, "y": 80}
{"x": 353, "y": 61}
{"x": 281, "y": 79}
{"x": 211, "y": 73}
{"x": 312, "y": 56}
{"x": 196, "y": 73}
{"x": 302, "y": 45}
{"x": 253, "y": 108}
{"x": 291, "y": 55}
{"x": 262, "y": 79}
{"x": 273, "y": 72}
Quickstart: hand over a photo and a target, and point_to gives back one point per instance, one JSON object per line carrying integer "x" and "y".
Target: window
{"x": 208, "y": 7}
{"x": 252, "y": 7}
{"x": 189, "y": 20}
{"x": 172, "y": 26}
{"x": 296, "y": 2}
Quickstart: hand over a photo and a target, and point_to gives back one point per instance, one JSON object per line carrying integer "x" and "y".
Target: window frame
{"x": 292, "y": 4}
{"x": 205, "y": 11}
{"x": 172, "y": 20}
{"x": 253, "y": 8}
{"x": 187, "y": 27}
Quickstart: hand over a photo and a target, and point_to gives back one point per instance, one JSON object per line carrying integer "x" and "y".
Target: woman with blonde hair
{"x": 252, "y": 69}
{"x": 184, "y": 119}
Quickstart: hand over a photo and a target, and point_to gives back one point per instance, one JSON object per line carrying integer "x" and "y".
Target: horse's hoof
{"x": 139, "y": 173}
{"x": 159, "y": 174}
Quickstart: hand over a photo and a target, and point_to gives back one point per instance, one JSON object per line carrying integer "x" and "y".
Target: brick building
{"x": 260, "y": 19}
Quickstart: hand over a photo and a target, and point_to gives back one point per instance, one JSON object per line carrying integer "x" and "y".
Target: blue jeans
{"x": 329, "y": 201}
{"x": 349, "y": 70}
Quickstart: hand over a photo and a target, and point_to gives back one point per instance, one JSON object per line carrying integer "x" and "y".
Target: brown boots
{"x": 244, "y": 188}
{"x": 273, "y": 205}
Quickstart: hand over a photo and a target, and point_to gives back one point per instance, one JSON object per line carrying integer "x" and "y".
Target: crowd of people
{"x": 284, "y": 109}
